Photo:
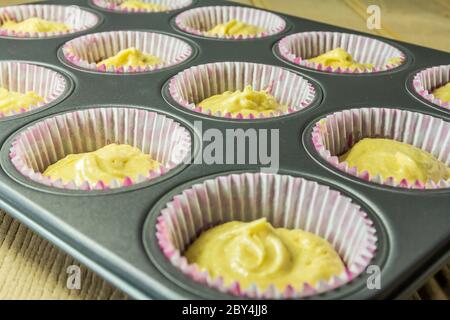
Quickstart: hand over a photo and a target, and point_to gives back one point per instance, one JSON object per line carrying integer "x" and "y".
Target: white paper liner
{"x": 286, "y": 201}
{"x": 337, "y": 133}
{"x": 429, "y": 79}
{"x": 114, "y": 5}
{"x": 191, "y": 86}
{"x": 298, "y": 48}
{"x": 24, "y": 77}
{"x": 74, "y": 16}
{"x": 51, "y": 139}
{"x": 86, "y": 51}
{"x": 200, "y": 20}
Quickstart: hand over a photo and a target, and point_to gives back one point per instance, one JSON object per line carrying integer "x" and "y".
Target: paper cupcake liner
{"x": 191, "y": 86}
{"x": 24, "y": 77}
{"x": 429, "y": 79}
{"x": 114, "y": 5}
{"x": 74, "y": 16}
{"x": 86, "y": 51}
{"x": 286, "y": 201}
{"x": 298, "y": 48}
{"x": 338, "y": 132}
{"x": 199, "y": 20}
{"x": 51, "y": 139}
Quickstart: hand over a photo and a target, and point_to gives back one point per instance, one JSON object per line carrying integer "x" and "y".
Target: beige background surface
{"x": 423, "y": 22}
{"x": 32, "y": 268}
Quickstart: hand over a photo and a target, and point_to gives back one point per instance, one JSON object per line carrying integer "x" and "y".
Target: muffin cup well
{"x": 285, "y": 201}
{"x": 24, "y": 77}
{"x": 47, "y": 141}
{"x": 335, "y": 134}
{"x": 86, "y": 51}
{"x": 114, "y": 5}
{"x": 429, "y": 79}
{"x": 199, "y": 21}
{"x": 193, "y": 85}
{"x": 298, "y": 48}
{"x": 77, "y": 18}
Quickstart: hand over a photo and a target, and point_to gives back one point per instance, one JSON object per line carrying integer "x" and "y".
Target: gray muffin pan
{"x": 112, "y": 232}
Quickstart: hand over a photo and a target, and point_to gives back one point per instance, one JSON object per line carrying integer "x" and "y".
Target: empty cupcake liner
{"x": 200, "y": 20}
{"x": 74, "y": 16}
{"x": 429, "y": 79}
{"x": 47, "y": 141}
{"x": 298, "y": 48}
{"x": 285, "y": 201}
{"x": 24, "y": 77}
{"x": 114, "y": 5}
{"x": 337, "y": 133}
{"x": 86, "y": 51}
{"x": 191, "y": 86}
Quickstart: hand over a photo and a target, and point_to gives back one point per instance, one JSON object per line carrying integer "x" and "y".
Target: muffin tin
{"x": 113, "y": 231}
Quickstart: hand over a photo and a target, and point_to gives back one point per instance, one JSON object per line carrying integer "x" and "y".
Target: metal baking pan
{"x": 111, "y": 231}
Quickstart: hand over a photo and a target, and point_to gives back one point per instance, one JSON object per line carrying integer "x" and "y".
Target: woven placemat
{"x": 33, "y": 268}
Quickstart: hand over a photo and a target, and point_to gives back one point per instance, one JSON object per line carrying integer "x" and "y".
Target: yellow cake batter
{"x": 11, "y": 101}
{"x": 339, "y": 58}
{"x": 394, "y": 60}
{"x": 257, "y": 253}
{"x": 130, "y": 57}
{"x": 396, "y": 159}
{"x": 136, "y": 4}
{"x": 114, "y": 161}
{"x": 245, "y": 102}
{"x": 442, "y": 93}
{"x": 35, "y": 25}
{"x": 235, "y": 28}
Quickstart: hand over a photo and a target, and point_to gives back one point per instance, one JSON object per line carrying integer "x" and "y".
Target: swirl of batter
{"x": 391, "y": 158}
{"x": 235, "y": 28}
{"x": 112, "y": 162}
{"x": 257, "y": 253}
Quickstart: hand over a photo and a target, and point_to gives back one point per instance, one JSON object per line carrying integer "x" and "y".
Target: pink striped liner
{"x": 299, "y": 47}
{"x": 114, "y": 5}
{"x": 191, "y": 86}
{"x": 335, "y": 134}
{"x": 198, "y": 21}
{"x": 24, "y": 77}
{"x": 429, "y": 79}
{"x": 285, "y": 201}
{"x": 86, "y": 51}
{"x": 45, "y": 142}
{"x": 76, "y": 17}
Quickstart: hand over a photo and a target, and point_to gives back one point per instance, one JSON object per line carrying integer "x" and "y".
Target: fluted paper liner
{"x": 47, "y": 141}
{"x": 298, "y": 48}
{"x": 286, "y": 201}
{"x": 429, "y": 79}
{"x": 191, "y": 86}
{"x": 86, "y": 51}
{"x": 75, "y": 17}
{"x": 24, "y": 77}
{"x": 337, "y": 133}
{"x": 199, "y": 21}
{"x": 114, "y": 5}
